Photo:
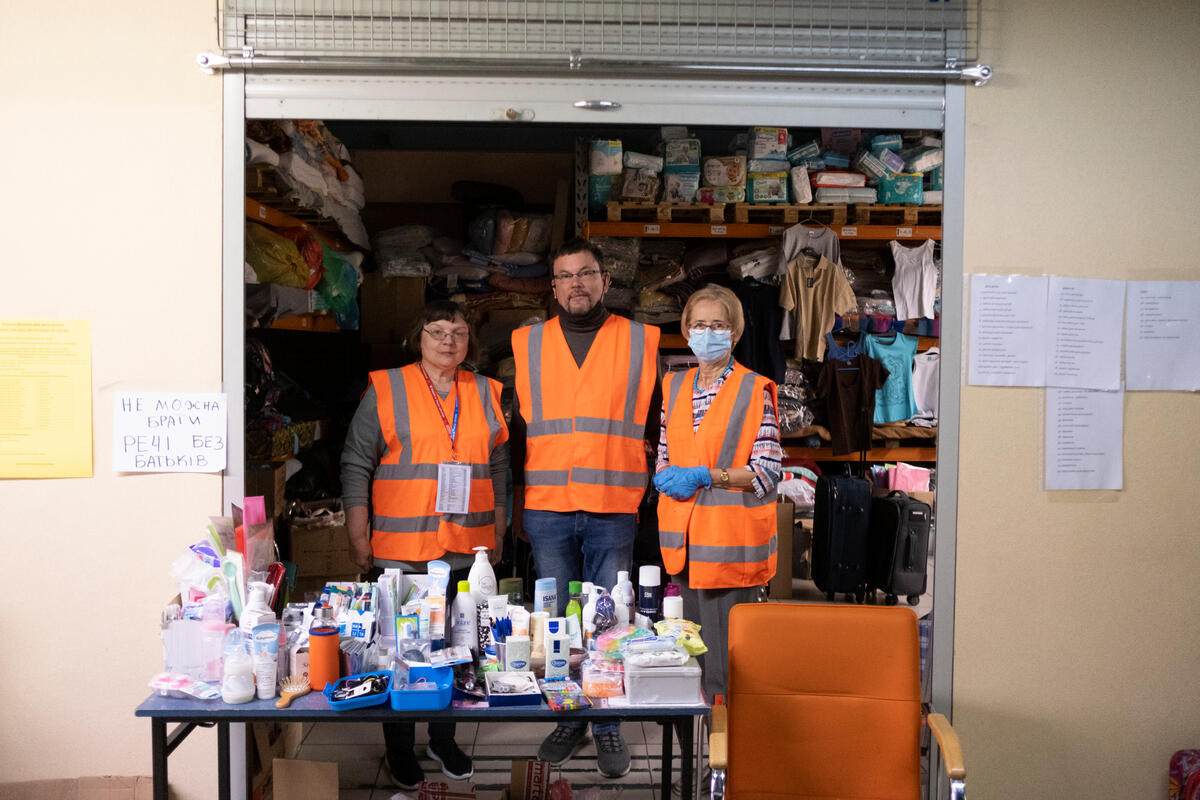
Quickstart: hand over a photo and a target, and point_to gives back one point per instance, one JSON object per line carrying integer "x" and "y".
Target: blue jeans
{"x": 561, "y": 540}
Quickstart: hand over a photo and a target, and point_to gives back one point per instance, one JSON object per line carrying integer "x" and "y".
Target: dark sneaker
{"x": 612, "y": 756}
{"x": 406, "y": 772}
{"x": 454, "y": 762}
{"x": 562, "y": 743}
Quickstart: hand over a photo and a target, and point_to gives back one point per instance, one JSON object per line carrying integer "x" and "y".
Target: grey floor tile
{"x": 345, "y": 733}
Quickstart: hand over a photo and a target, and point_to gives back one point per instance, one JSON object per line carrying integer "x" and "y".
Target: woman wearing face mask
{"x": 719, "y": 460}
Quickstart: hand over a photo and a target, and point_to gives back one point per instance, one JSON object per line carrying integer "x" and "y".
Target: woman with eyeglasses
{"x": 719, "y": 460}
{"x": 423, "y": 478}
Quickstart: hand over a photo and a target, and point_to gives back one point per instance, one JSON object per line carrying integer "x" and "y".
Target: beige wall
{"x": 1077, "y": 646}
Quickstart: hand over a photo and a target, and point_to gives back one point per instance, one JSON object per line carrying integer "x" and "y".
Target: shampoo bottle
{"x": 463, "y": 619}
{"x": 482, "y": 577}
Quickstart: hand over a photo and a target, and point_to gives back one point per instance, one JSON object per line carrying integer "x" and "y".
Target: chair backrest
{"x": 824, "y": 702}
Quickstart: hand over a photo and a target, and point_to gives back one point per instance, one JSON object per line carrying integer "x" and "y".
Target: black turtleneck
{"x": 580, "y": 329}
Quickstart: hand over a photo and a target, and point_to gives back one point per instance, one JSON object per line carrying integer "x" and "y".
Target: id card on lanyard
{"x": 454, "y": 478}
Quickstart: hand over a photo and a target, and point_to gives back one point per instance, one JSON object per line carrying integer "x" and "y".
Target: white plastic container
{"x": 256, "y": 611}
{"x": 482, "y": 577}
{"x": 663, "y": 686}
{"x": 463, "y": 619}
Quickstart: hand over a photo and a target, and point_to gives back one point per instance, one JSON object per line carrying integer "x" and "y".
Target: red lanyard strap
{"x": 451, "y": 428}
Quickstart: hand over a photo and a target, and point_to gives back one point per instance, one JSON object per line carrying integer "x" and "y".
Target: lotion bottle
{"x": 463, "y": 619}
{"x": 482, "y": 577}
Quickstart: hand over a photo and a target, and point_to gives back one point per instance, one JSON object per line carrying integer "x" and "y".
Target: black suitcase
{"x": 899, "y": 546}
{"x": 840, "y": 529}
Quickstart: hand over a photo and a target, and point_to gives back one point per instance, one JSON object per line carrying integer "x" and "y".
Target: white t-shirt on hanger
{"x": 926, "y": 375}
{"x": 914, "y": 286}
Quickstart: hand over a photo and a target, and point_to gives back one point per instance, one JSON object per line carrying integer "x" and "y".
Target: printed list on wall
{"x": 169, "y": 432}
{"x": 45, "y": 398}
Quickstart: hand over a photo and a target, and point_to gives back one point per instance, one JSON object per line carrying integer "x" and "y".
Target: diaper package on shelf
{"x": 601, "y": 189}
{"x": 639, "y": 185}
{"x": 837, "y": 179}
{"x": 680, "y": 187}
{"x": 801, "y": 189}
{"x": 932, "y": 197}
{"x": 905, "y": 187}
{"x": 605, "y": 157}
{"x": 642, "y": 161}
{"x": 892, "y": 161}
{"x": 721, "y": 194}
{"x": 925, "y": 161}
{"x": 871, "y": 166}
{"x": 805, "y": 152}
{"x": 767, "y": 165}
{"x": 840, "y": 140}
{"x": 767, "y": 143}
{"x": 725, "y": 171}
{"x": 886, "y": 141}
{"x": 933, "y": 178}
{"x": 768, "y": 187}
{"x": 836, "y": 160}
{"x": 681, "y": 155}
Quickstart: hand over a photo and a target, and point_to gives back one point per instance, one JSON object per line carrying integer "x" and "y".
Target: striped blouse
{"x": 766, "y": 456}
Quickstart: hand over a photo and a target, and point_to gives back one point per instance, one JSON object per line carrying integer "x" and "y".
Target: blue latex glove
{"x": 680, "y": 483}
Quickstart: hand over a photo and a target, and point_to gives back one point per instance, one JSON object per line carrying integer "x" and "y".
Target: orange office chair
{"x": 825, "y": 702}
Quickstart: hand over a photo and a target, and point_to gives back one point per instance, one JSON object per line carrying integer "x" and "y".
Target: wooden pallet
{"x": 666, "y": 212}
{"x": 897, "y": 215}
{"x": 789, "y": 213}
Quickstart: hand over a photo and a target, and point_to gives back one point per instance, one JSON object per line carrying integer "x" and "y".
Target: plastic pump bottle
{"x": 623, "y": 597}
{"x": 256, "y": 611}
{"x": 482, "y": 577}
{"x": 463, "y": 619}
{"x": 589, "y": 617}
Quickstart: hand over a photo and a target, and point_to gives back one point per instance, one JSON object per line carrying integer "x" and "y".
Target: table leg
{"x": 667, "y": 743}
{"x": 223, "y": 784}
{"x": 686, "y": 756}
{"x": 158, "y": 756}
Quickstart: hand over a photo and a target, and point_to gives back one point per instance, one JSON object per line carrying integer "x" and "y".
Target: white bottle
{"x": 256, "y": 611}
{"x": 463, "y": 619}
{"x": 622, "y": 590}
{"x": 482, "y": 577}
{"x": 589, "y": 617}
{"x": 237, "y": 679}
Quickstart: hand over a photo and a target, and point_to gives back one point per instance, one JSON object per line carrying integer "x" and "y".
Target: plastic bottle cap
{"x": 464, "y": 587}
{"x": 575, "y": 587}
{"x": 480, "y": 551}
{"x": 587, "y": 587}
{"x": 649, "y": 575}
{"x": 622, "y": 575}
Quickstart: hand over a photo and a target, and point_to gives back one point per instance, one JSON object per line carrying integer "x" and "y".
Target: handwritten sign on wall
{"x": 169, "y": 431}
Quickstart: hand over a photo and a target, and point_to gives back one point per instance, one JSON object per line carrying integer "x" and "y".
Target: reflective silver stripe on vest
{"x": 400, "y": 421}
{"x": 547, "y": 428}
{"x": 607, "y": 477}
{"x": 610, "y": 427}
{"x": 545, "y": 477}
{"x": 637, "y": 351}
{"x": 677, "y": 382}
{"x": 671, "y": 539}
{"x": 737, "y": 418}
{"x": 404, "y": 472}
{"x": 429, "y": 523}
{"x": 489, "y": 413}
{"x": 732, "y": 498}
{"x": 535, "y": 371}
{"x": 716, "y": 554}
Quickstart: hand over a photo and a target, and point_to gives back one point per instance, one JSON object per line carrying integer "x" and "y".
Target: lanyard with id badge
{"x": 454, "y": 478}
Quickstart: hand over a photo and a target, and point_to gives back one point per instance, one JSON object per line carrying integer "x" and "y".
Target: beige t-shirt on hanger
{"x": 814, "y": 291}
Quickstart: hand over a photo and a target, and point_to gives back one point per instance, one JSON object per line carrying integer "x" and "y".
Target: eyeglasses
{"x": 717, "y": 327}
{"x": 583, "y": 275}
{"x": 440, "y": 335}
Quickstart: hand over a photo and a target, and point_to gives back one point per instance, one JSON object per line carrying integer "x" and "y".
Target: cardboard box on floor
{"x": 305, "y": 780}
{"x": 107, "y": 787}
{"x": 780, "y": 586}
{"x": 529, "y": 780}
{"x": 268, "y": 481}
{"x": 319, "y": 541}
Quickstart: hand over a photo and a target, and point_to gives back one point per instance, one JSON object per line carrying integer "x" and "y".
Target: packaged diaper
{"x": 892, "y": 161}
{"x": 768, "y": 188}
{"x": 841, "y": 140}
{"x": 925, "y": 161}
{"x": 725, "y": 171}
{"x": 669, "y": 132}
{"x": 804, "y": 152}
{"x": 833, "y": 178}
{"x": 814, "y": 164}
{"x": 933, "y": 178}
{"x": 606, "y": 157}
{"x": 642, "y": 161}
{"x": 681, "y": 155}
{"x": 601, "y": 189}
{"x": 932, "y": 197}
{"x": 763, "y": 166}
{"x": 902, "y": 188}
{"x": 639, "y": 185}
{"x": 721, "y": 194}
{"x": 801, "y": 189}
{"x": 871, "y": 166}
{"x": 680, "y": 187}
{"x": 767, "y": 143}
{"x": 837, "y": 160}
{"x": 886, "y": 141}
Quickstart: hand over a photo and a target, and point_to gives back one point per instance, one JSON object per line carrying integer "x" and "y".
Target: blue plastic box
{"x": 405, "y": 699}
{"x": 356, "y": 702}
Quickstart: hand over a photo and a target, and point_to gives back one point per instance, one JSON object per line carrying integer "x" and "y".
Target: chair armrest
{"x": 718, "y": 738}
{"x": 948, "y": 744}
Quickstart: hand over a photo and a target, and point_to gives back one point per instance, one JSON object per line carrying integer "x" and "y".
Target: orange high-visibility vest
{"x": 405, "y": 526}
{"x": 585, "y": 425}
{"x": 725, "y": 537}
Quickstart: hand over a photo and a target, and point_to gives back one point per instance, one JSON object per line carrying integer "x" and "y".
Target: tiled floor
{"x": 362, "y": 773}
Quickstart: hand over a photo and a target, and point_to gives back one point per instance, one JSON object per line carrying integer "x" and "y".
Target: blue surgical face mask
{"x": 710, "y": 345}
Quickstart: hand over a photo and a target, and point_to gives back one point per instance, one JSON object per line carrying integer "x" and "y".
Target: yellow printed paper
{"x": 45, "y": 398}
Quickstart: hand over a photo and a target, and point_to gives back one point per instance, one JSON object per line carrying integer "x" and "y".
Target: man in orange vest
{"x": 585, "y": 382}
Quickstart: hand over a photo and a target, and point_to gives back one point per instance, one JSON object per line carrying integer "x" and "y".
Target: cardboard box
{"x": 529, "y": 780}
{"x": 780, "y": 586}
{"x": 389, "y": 306}
{"x": 106, "y": 787}
{"x": 802, "y": 549}
{"x": 305, "y": 780}
{"x": 268, "y": 480}
{"x": 319, "y": 541}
